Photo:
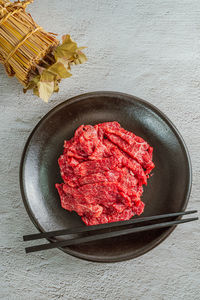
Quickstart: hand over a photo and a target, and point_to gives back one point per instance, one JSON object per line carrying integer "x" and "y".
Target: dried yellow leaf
{"x": 56, "y": 87}
{"x": 35, "y": 91}
{"x": 66, "y": 49}
{"x": 59, "y": 70}
{"x": 45, "y": 89}
{"x": 65, "y": 62}
{"x": 32, "y": 83}
{"x": 79, "y": 58}
{"x": 47, "y": 76}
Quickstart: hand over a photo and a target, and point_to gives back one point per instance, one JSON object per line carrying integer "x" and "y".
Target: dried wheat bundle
{"x": 31, "y": 54}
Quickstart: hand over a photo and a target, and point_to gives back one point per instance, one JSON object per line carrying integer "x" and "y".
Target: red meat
{"x": 103, "y": 168}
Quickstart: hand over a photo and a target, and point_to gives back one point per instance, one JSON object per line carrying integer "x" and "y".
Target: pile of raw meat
{"x": 104, "y": 168}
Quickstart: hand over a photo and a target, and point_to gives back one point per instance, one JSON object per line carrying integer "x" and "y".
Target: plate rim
{"x": 131, "y": 98}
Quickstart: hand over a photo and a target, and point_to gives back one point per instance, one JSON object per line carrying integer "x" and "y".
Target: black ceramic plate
{"x": 167, "y": 191}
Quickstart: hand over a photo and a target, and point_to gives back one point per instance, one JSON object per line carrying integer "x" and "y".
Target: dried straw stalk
{"x": 23, "y": 44}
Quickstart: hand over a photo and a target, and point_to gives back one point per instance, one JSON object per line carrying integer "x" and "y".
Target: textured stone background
{"x": 147, "y": 48}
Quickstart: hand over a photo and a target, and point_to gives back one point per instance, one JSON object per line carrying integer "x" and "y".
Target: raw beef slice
{"x": 103, "y": 168}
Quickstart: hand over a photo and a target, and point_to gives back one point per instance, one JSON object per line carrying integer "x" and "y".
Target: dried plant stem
{"x": 23, "y": 44}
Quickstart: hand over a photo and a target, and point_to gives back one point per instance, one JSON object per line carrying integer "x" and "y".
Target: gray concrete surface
{"x": 147, "y": 48}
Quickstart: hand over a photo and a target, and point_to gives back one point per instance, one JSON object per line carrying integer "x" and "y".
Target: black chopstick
{"x": 107, "y": 235}
{"x": 102, "y": 226}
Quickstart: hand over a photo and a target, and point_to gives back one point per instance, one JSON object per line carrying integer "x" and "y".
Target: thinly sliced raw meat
{"x": 104, "y": 168}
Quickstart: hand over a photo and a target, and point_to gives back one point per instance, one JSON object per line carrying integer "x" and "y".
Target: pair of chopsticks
{"x": 100, "y": 236}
